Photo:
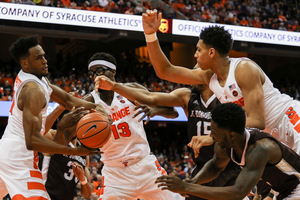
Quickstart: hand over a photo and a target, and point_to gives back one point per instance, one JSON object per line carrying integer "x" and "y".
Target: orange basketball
{"x": 93, "y": 130}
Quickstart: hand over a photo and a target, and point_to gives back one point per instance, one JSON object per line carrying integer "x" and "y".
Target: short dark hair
{"x": 20, "y": 48}
{"x": 103, "y": 56}
{"x": 229, "y": 116}
{"x": 218, "y": 38}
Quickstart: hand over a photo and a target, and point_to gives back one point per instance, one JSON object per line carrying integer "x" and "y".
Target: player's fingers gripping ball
{"x": 93, "y": 130}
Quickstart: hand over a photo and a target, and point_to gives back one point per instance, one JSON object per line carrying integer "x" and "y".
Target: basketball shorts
{"x": 288, "y": 131}
{"x": 19, "y": 174}
{"x": 135, "y": 181}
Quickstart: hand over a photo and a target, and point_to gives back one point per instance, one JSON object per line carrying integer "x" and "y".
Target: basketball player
{"x": 129, "y": 170}
{"x": 237, "y": 80}
{"x": 62, "y": 172}
{"x": 197, "y": 104}
{"x": 258, "y": 153}
{"x": 23, "y": 136}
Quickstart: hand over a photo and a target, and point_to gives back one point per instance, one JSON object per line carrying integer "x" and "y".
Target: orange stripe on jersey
{"x": 36, "y": 174}
{"x": 21, "y": 197}
{"x": 35, "y": 166}
{"x": 35, "y": 186}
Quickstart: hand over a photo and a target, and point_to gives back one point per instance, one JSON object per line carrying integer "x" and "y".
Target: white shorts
{"x": 135, "y": 181}
{"x": 288, "y": 131}
{"x": 19, "y": 174}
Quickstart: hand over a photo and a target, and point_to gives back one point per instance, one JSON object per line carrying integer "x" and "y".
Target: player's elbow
{"x": 30, "y": 146}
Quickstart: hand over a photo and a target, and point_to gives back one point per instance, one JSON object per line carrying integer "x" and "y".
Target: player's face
{"x": 202, "y": 55}
{"x": 98, "y": 70}
{"x": 219, "y": 135}
{"x": 36, "y": 63}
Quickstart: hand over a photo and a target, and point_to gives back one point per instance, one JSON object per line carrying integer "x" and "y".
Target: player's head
{"x": 27, "y": 52}
{"x": 227, "y": 119}
{"x": 102, "y": 64}
{"x": 218, "y": 38}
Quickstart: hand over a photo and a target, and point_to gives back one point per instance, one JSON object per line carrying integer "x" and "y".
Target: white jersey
{"x": 19, "y": 173}
{"x": 15, "y": 119}
{"x": 276, "y": 104}
{"x": 128, "y": 140}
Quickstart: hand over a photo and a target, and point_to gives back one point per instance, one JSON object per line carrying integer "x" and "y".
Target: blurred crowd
{"x": 270, "y": 14}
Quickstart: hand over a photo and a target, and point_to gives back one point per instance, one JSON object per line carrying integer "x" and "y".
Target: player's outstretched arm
{"x": 67, "y": 100}
{"x": 164, "y": 69}
{"x": 149, "y": 112}
{"x": 140, "y": 94}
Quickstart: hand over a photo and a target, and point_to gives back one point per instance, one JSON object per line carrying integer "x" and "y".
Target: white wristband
{"x": 151, "y": 37}
{"x": 83, "y": 182}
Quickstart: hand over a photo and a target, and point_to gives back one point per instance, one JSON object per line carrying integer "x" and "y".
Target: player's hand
{"x": 147, "y": 110}
{"x": 78, "y": 171}
{"x": 151, "y": 21}
{"x": 99, "y": 108}
{"x": 104, "y": 83}
{"x": 67, "y": 124}
{"x": 200, "y": 141}
{"x": 172, "y": 183}
{"x": 84, "y": 151}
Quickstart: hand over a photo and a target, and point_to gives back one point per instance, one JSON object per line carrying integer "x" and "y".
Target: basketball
{"x": 93, "y": 130}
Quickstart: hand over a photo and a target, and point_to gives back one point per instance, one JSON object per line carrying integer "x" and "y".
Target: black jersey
{"x": 282, "y": 177}
{"x": 61, "y": 181}
{"x": 199, "y": 120}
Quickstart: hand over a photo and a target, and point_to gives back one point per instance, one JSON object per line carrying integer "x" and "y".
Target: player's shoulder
{"x": 32, "y": 87}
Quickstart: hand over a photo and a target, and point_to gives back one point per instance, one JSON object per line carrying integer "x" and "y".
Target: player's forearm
{"x": 160, "y": 62}
{"x": 52, "y": 117}
{"x": 168, "y": 112}
{"x": 140, "y": 95}
{"x": 208, "y": 173}
{"x": 86, "y": 190}
{"x": 42, "y": 144}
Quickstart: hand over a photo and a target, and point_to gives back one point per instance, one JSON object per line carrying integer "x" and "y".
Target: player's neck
{"x": 106, "y": 96}
{"x": 221, "y": 69}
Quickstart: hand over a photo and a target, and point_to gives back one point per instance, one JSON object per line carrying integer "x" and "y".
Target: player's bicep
{"x": 32, "y": 100}
{"x": 256, "y": 161}
{"x": 248, "y": 77}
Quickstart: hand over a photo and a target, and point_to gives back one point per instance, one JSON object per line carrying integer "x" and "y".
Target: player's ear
{"x": 211, "y": 52}
{"x": 24, "y": 63}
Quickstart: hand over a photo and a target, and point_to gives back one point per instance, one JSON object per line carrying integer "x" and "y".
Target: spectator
{"x": 256, "y": 22}
{"x": 85, "y": 6}
{"x": 66, "y": 3}
{"x": 8, "y": 91}
{"x": 96, "y": 7}
{"x": 130, "y": 11}
{"x": 282, "y": 27}
{"x": 244, "y": 22}
{"x": 281, "y": 17}
{"x": 52, "y": 3}
{"x": 295, "y": 26}
{"x": 139, "y": 10}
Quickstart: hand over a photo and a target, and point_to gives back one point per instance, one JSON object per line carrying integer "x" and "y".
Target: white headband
{"x": 102, "y": 62}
